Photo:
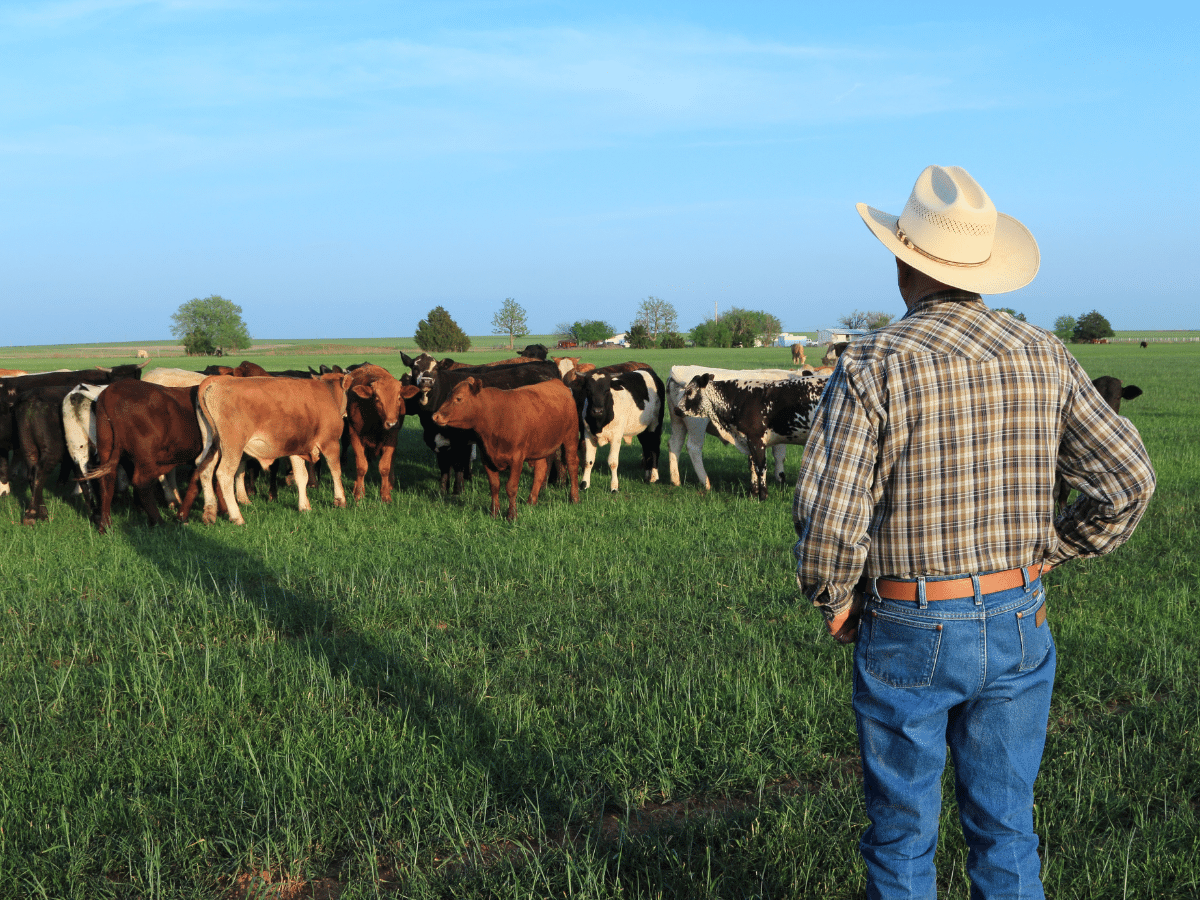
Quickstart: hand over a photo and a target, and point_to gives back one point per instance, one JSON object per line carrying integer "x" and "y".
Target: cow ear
{"x": 363, "y": 390}
{"x": 406, "y": 359}
{"x": 408, "y": 391}
{"x": 1130, "y": 391}
{"x": 444, "y": 364}
{"x": 474, "y": 384}
{"x": 704, "y": 380}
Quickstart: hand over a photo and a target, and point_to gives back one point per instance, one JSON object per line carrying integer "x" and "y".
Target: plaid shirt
{"x": 935, "y": 448}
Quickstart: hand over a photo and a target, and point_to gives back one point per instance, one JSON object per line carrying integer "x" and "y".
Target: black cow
{"x": 754, "y": 414}
{"x": 1113, "y": 391}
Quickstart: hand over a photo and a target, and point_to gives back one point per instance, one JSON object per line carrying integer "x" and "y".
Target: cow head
{"x": 1111, "y": 390}
{"x": 461, "y": 406}
{"x": 598, "y": 401}
{"x": 385, "y": 392}
{"x": 691, "y": 401}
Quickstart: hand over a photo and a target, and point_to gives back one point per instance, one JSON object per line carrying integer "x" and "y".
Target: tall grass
{"x": 617, "y": 698}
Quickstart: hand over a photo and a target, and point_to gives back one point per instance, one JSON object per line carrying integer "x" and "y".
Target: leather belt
{"x": 957, "y": 588}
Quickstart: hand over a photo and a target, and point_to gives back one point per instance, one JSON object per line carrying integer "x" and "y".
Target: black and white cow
{"x": 693, "y": 428}
{"x": 615, "y": 408}
{"x": 756, "y": 413}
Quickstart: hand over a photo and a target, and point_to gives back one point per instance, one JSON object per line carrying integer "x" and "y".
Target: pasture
{"x": 621, "y": 698}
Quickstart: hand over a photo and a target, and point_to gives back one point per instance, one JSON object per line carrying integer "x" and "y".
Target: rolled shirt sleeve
{"x": 834, "y": 496}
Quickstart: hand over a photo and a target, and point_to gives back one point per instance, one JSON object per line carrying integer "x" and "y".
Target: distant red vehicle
{"x": 566, "y": 345}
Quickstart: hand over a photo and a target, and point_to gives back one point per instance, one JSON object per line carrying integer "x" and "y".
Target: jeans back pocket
{"x": 902, "y": 651}
{"x": 1035, "y": 638}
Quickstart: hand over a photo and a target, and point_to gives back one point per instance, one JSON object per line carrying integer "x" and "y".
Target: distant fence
{"x": 1155, "y": 340}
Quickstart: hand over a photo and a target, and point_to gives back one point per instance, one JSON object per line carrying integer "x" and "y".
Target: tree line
{"x": 213, "y": 326}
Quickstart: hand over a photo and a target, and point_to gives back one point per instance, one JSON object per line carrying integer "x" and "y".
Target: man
{"x": 925, "y": 519}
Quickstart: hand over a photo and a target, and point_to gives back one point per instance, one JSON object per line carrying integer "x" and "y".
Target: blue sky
{"x": 339, "y": 169}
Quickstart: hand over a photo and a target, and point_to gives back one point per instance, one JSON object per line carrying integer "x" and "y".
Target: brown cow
{"x": 265, "y": 419}
{"x": 374, "y": 413}
{"x": 155, "y": 427}
{"x": 528, "y": 423}
{"x": 798, "y": 355}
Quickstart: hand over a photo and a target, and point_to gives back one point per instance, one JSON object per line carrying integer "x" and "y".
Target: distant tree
{"x": 510, "y": 320}
{"x": 638, "y": 336}
{"x": 591, "y": 331}
{"x": 657, "y": 315}
{"x": 438, "y": 333}
{"x": 1091, "y": 326}
{"x": 746, "y": 326}
{"x": 671, "y": 340}
{"x": 1020, "y": 317}
{"x": 1064, "y": 328}
{"x": 712, "y": 333}
{"x": 208, "y": 325}
{"x": 868, "y": 320}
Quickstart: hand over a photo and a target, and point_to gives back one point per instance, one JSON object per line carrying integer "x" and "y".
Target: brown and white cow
{"x": 374, "y": 412}
{"x": 152, "y": 426}
{"x": 525, "y": 424}
{"x": 266, "y": 419}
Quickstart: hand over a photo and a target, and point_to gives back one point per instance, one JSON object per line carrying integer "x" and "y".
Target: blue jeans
{"x": 975, "y": 674}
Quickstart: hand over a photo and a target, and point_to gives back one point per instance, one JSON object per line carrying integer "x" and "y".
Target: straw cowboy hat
{"x": 950, "y": 230}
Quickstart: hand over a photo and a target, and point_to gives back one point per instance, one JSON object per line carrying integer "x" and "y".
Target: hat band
{"x": 907, "y": 242}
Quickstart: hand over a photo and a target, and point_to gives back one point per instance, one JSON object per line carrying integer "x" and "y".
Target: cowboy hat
{"x": 951, "y": 231}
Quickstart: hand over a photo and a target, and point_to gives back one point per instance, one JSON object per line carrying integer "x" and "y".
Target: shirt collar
{"x": 952, "y": 295}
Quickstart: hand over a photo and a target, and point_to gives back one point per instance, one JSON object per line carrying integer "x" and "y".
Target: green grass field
{"x": 620, "y": 698}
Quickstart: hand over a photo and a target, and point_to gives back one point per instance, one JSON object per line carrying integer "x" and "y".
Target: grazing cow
{"x": 143, "y": 354}
{"x": 529, "y": 423}
{"x": 798, "y": 355}
{"x": 374, "y": 412}
{"x": 1144, "y": 345}
{"x": 154, "y": 428}
{"x": 617, "y": 406}
{"x": 757, "y": 414}
{"x": 833, "y": 351}
{"x": 536, "y": 351}
{"x": 436, "y": 379}
{"x": 39, "y": 437}
{"x": 265, "y": 419}
{"x": 693, "y": 428}
{"x": 1113, "y": 392}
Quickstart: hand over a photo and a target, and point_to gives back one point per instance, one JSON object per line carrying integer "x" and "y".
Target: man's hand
{"x": 843, "y": 627}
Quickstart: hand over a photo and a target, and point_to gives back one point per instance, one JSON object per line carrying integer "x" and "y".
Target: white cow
{"x": 173, "y": 377}
{"x": 695, "y": 427}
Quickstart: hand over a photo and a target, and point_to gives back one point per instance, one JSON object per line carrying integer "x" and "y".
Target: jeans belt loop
{"x": 978, "y": 591}
{"x": 875, "y": 587}
{"x": 1025, "y": 577}
{"x": 924, "y": 603}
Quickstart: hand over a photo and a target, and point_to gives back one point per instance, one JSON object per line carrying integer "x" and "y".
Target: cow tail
{"x": 106, "y": 466}
{"x": 208, "y": 428}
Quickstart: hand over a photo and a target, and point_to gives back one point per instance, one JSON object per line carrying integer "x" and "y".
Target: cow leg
{"x": 228, "y": 469}
{"x": 5, "y": 487}
{"x": 758, "y": 469}
{"x": 780, "y": 451}
{"x": 570, "y": 451}
{"x": 360, "y": 467}
{"x": 591, "y": 446}
{"x": 651, "y": 441}
{"x": 541, "y": 468}
{"x": 695, "y": 446}
{"x": 170, "y": 489}
{"x": 675, "y": 445}
{"x": 494, "y": 484}
{"x": 143, "y": 487}
{"x": 103, "y": 515}
{"x": 332, "y": 454}
{"x": 614, "y": 457}
{"x": 514, "y": 482}
{"x": 300, "y": 476}
{"x": 387, "y": 455}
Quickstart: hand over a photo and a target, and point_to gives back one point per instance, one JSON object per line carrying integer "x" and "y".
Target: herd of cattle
{"x": 228, "y": 424}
